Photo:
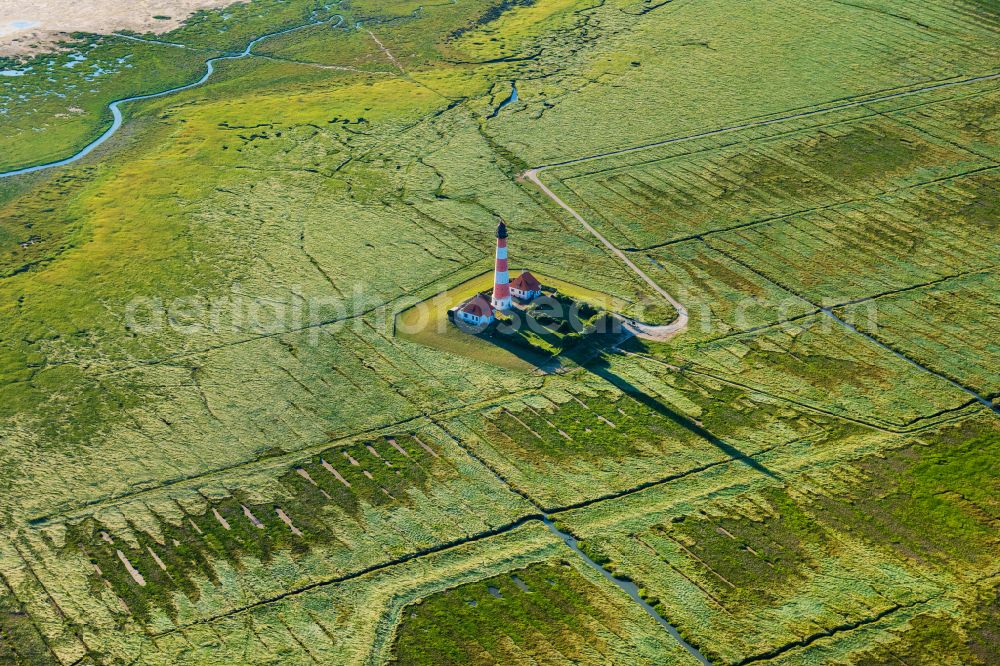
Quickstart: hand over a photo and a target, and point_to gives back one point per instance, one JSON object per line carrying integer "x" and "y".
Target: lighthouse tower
{"x": 501, "y": 280}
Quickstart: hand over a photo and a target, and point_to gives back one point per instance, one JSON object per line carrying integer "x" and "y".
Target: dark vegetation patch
{"x": 989, "y": 8}
{"x": 983, "y": 209}
{"x": 588, "y": 428}
{"x": 762, "y": 563}
{"x": 235, "y": 527}
{"x": 40, "y": 227}
{"x": 20, "y": 641}
{"x": 549, "y": 612}
{"x": 932, "y": 639}
{"x": 732, "y": 410}
{"x": 934, "y": 504}
{"x": 490, "y": 15}
{"x": 865, "y": 153}
{"x": 735, "y": 413}
{"x": 746, "y": 561}
{"x": 815, "y": 369}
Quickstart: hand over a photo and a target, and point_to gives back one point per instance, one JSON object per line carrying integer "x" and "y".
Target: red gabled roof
{"x": 477, "y": 305}
{"x": 526, "y": 282}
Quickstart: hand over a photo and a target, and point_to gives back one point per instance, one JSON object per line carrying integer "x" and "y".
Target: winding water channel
{"x": 115, "y": 107}
{"x": 630, "y": 588}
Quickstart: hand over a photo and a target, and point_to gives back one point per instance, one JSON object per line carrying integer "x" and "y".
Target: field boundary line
{"x": 872, "y": 113}
{"x": 448, "y": 545}
{"x": 488, "y": 466}
{"x": 923, "y": 285}
{"x": 833, "y": 631}
{"x": 627, "y": 586}
{"x": 907, "y": 428}
{"x": 985, "y": 401}
{"x": 541, "y": 517}
{"x": 88, "y": 507}
{"x": 815, "y": 209}
{"x": 552, "y": 510}
{"x": 851, "y": 103}
{"x": 667, "y": 479}
{"x": 48, "y": 597}
{"x": 846, "y": 304}
{"x": 899, "y": 119}
{"x": 385, "y": 304}
{"x": 291, "y": 457}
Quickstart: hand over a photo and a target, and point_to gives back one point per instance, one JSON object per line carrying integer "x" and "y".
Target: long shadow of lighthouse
{"x": 594, "y": 358}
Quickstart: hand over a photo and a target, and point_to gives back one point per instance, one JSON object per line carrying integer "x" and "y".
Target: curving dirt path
{"x": 644, "y": 331}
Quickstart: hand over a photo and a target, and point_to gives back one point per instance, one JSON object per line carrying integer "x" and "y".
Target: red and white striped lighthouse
{"x": 501, "y": 279}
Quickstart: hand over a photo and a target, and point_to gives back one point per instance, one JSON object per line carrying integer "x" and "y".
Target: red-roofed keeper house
{"x": 477, "y": 310}
{"x": 525, "y": 287}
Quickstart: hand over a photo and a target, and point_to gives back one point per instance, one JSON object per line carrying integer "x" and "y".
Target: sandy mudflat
{"x": 33, "y": 26}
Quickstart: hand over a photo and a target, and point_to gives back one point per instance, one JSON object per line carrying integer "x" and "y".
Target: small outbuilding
{"x": 525, "y": 287}
{"x": 477, "y": 310}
